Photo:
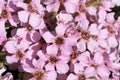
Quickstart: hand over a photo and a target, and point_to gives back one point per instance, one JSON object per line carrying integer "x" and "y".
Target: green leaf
{"x": 8, "y": 27}
{"x": 1, "y": 64}
{"x": 3, "y": 54}
{"x": 94, "y": 3}
{"x": 54, "y": 14}
{"x": 92, "y": 77}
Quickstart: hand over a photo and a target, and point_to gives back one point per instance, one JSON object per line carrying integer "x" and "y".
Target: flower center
{"x": 53, "y": 59}
{"x": 81, "y": 8}
{"x": 4, "y": 14}
{"x": 74, "y": 55}
{"x": 27, "y": 1}
{"x": 31, "y": 8}
{"x": 42, "y": 41}
{"x": 85, "y": 35}
{"x": 29, "y": 28}
{"x": 39, "y": 74}
{"x": 62, "y": 1}
{"x": 59, "y": 40}
{"x": 19, "y": 54}
{"x": 81, "y": 77}
{"x": 110, "y": 29}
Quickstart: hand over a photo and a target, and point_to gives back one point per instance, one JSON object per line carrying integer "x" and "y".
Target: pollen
{"x": 31, "y": 8}
{"x": 85, "y": 35}
{"x": 59, "y": 40}
{"x": 4, "y": 14}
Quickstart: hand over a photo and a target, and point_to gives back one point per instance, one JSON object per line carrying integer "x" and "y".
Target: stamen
{"x": 59, "y": 40}
{"x": 31, "y": 8}
{"x": 85, "y": 35}
{"x": 53, "y": 59}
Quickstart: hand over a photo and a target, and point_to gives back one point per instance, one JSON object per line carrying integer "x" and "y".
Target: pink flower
{"x": 7, "y": 76}
{"x": 59, "y": 41}
{"x": 6, "y": 13}
{"x": 54, "y": 61}
{"x": 87, "y": 34}
{"x": 96, "y": 63}
{"x": 71, "y": 6}
{"x": 64, "y": 18}
{"x": 2, "y": 32}
{"x": 37, "y": 71}
{"x": 17, "y": 51}
{"x": 32, "y": 13}
{"x": 28, "y": 33}
{"x": 52, "y": 5}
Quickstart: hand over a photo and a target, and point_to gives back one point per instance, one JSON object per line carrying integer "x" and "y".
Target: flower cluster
{"x": 59, "y": 40}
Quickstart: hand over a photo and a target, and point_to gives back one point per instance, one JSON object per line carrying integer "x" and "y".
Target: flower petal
{"x": 35, "y": 20}
{"x": 23, "y": 16}
{"x": 35, "y": 36}
{"x": 51, "y": 75}
{"x": 50, "y": 67}
{"x": 11, "y": 46}
{"x": 72, "y": 77}
{"x": 52, "y": 49}
{"x": 12, "y": 59}
{"x": 103, "y": 72}
{"x": 48, "y": 37}
{"x": 62, "y": 68}
{"x": 81, "y": 45}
